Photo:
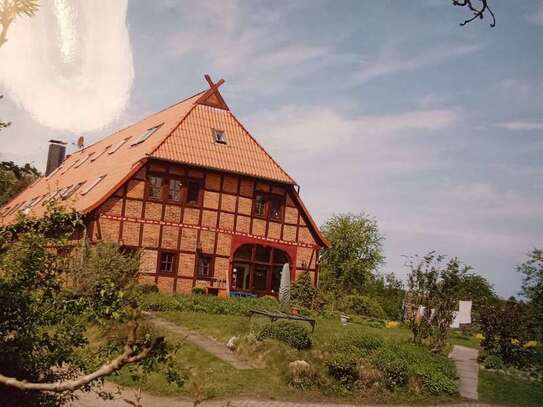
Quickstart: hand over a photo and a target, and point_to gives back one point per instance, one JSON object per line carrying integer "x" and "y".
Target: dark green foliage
{"x": 394, "y": 368}
{"x": 361, "y": 305}
{"x": 148, "y": 288}
{"x": 493, "y": 362}
{"x": 356, "y": 253}
{"x": 199, "y": 291}
{"x": 343, "y": 368}
{"x": 390, "y": 294}
{"x": 207, "y": 303}
{"x": 304, "y": 294}
{"x": 355, "y": 344}
{"x": 50, "y": 292}
{"x": 288, "y": 332}
{"x": 506, "y": 327}
{"x": 532, "y": 283}
{"x": 15, "y": 178}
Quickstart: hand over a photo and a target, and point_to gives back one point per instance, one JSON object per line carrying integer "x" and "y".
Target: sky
{"x": 383, "y": 107}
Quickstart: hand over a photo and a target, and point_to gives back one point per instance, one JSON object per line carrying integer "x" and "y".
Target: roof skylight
{"x": 100, "y": 153}
{"x": 148, "y": 133}
{"x": 92, "y": 185}
{"x": 83, "y": 160}
{"x": 118, "y": 145}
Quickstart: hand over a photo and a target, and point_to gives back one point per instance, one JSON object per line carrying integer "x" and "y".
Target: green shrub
{"x": 148, "y": 288}
{"x": 199, "y": 291}
{"x": 395, "y": 369}
{"x": 362, "y": 305}
{"x": 304, "y": 294}
{"x": 493, "y": 362}
{"x": 438, "y": 383}
{"x": 288, "y": 332}
{"x": 207, "y": 303}
{"x": 354, "y": 343}
{"x": 343, "y": 368}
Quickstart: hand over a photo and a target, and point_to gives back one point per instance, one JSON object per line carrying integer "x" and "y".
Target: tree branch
{"x": 477, "y": 12}
{"x": 128, "y": 356}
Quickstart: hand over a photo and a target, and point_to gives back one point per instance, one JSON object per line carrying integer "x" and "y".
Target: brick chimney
{"x": 55, "y": 156}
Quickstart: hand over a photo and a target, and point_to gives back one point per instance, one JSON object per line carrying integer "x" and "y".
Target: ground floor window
{"x": 204, "y": 266}
{"x": 166, "y": 262}
{"x": 258, "y": 268}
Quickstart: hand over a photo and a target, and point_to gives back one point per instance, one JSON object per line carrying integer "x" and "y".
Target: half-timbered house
{"x": 194, "y": 191}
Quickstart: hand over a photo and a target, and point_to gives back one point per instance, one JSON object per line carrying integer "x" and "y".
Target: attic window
{"x": 55, "y": 171}
{"x": 219, "y": 137}
{"x": 118, "y": 145}
{"x": 70, "y": 166}
{"x": 92, "y": 185}
{"x": 83, "y": 160}
{"x": 101, "y": 152}
{"x": 148, "y": 133}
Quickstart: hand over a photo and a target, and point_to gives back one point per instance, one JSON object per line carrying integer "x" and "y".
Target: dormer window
{"x": 219, "y": 137}
{"x": 148, "y": 133}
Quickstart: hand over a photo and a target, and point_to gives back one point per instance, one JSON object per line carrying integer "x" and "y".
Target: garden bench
{"x": 274, "y": 316}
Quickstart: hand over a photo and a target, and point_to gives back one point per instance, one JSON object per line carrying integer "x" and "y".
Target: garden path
{"x": 208, "y": 344}
{"x": 467, "y": 367}
{"x": 92, "y": 400}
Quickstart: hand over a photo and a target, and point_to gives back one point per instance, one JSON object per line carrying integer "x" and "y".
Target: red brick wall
{"x": 224, "y": 212}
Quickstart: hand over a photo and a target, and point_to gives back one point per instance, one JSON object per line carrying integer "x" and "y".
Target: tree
{"x": 14, "y": 179}
{"x": 532, "y": 283}
{"x": 355, "y": 255}
{"x": 10, "y": 10}
{"x": 47, "y": 304}
{"x": 390, "y": 293}
{"x": 433, "y": 284}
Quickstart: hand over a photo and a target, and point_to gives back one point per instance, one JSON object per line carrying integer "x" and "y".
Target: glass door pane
{"x": 260, "y": 277}
{"x": 240, "y": 276}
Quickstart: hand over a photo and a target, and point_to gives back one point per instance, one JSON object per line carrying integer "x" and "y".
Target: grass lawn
{"x": 506, "y": 390}
{"x": 208, "y": 377}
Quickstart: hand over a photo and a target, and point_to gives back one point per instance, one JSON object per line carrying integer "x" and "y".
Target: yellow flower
{"x": 479, "y": 336}
{"x": 530, "y": 344}
{"x": 515, "y": 341}
{"x": 392, "y": 324}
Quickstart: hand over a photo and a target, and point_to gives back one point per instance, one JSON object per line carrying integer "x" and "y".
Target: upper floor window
{"x": 174, "y": 191}
{"x": 268, "y": 206}
{"x": 193, "y": 192}
{"x": 155, "y": 187}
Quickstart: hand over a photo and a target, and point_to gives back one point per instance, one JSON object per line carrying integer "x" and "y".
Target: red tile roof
{"x": 185, "y": 135}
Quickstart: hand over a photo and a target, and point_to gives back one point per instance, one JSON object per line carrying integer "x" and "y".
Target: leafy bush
{"x": 353, "y": 343}
{"x": 304, "y": 294}
{"x": 362, "y": 305}
{"x": 343, "y": 368}
{"x": 199, "y": 291}
{"x": 493, "y": 362}
{"x": 207, "y": 303}
{"x": 148, "y": 288}
{"x": 288, "y": 332}
{"x": 394, "y": 367}
{"x": 507, "y": 326}
{"x": 438, "y": 383}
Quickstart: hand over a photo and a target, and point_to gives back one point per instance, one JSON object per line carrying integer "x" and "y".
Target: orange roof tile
{"x": 185, "y": 135}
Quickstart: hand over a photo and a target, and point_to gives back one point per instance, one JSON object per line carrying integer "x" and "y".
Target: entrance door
{"x": 257, "y": 268}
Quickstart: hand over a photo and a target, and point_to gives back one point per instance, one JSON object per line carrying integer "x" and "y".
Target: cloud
{"x": 319, "y": 129}
{"x": 537, "y": 16}
{"x": 392, "y": 61}
{"x": 517, "y": 125}
{"x": 70, "y": 66}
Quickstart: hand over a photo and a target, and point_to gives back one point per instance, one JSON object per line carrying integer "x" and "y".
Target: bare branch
{"x": 477, "y": 12}
{"x": 127, "y": 357}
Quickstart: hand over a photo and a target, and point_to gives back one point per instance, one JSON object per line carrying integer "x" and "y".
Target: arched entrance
{"x": 257, "y": 269}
